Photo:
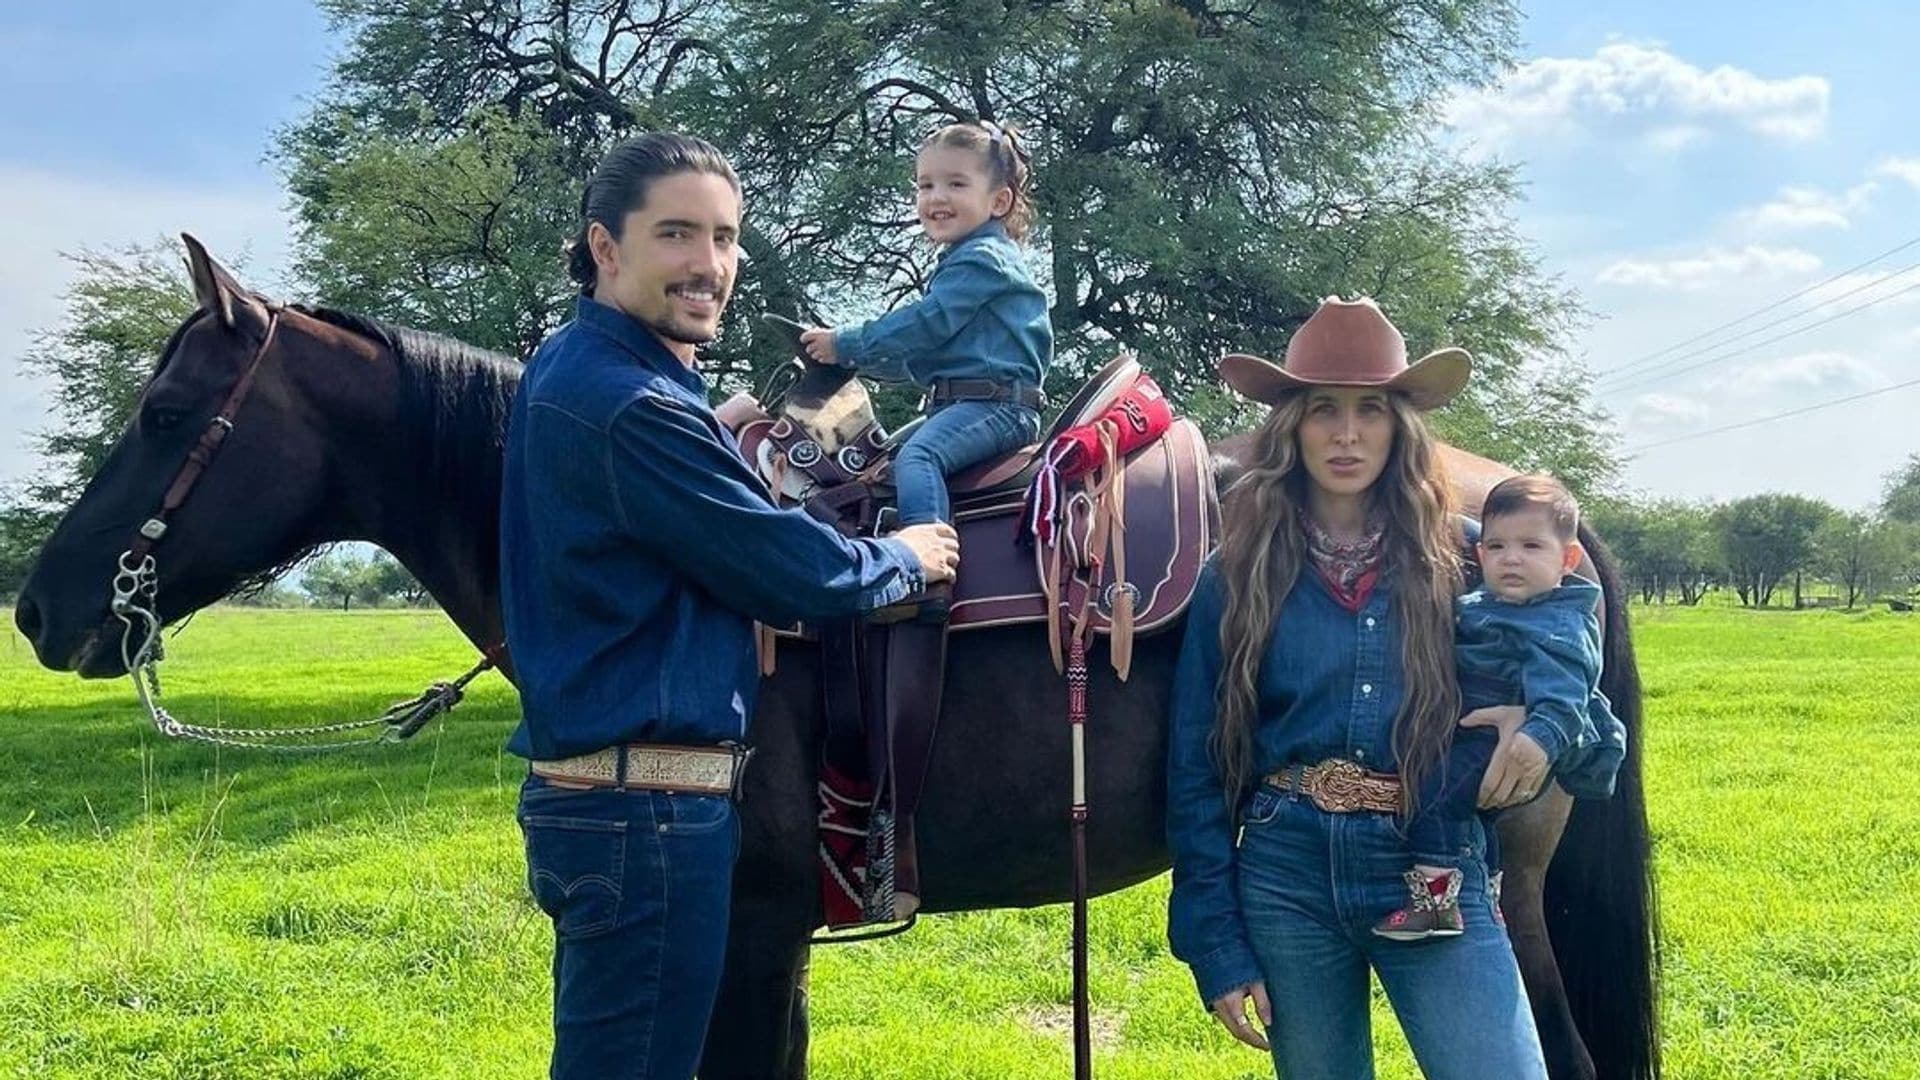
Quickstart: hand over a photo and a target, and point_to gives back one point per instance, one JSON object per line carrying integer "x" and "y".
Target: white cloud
{"x": 1907, "y": 169}
{"x": 43, "y": 214}
{"x": 1810, "y": 208}
{"x": 1812, "y": 376}
{"x": 1886, "y": 288}
{"x": 1641, "y": 85}
{"x": 1665, "y": 411}
{"x": 1708, "y": 269}
{"x": 1675, "y": 138}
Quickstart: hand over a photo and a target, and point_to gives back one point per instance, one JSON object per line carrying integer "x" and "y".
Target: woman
{"x": 1315, "y": 690}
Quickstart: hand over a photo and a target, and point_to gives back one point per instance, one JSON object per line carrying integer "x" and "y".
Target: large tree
{"x": 1765, "y": 538}
{"x": 1900, "y": 499}
{"x": 1205, "y": 172}
{"x": 1665, "y": 545}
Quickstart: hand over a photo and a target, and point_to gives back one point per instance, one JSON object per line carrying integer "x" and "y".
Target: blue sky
{"x": 1686, "y": 164}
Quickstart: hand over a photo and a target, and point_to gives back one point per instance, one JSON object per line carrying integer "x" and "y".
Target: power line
{"x": 1803, "y": 410}
{"x": 1762, "y": 310}
{"x": 1657, "y": 377}
{"x": 1616, "y": 376}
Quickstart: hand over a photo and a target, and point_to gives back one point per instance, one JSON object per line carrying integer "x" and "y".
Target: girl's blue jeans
{"x": 955, "y": 437}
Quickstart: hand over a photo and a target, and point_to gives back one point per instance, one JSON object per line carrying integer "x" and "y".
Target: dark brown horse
{"x": 356, "y": 431}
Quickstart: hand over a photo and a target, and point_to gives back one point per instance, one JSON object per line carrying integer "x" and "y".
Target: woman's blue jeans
{"x": 638, "y": 885}
{"x": 957, "y": 436}
{"x": 1312, "y": 884}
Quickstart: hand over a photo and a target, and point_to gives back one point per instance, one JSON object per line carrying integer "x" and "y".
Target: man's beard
{"x": 674, "y": 330}
{"x": 671, "y": 328}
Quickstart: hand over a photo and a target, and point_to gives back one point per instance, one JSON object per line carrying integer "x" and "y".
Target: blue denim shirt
{"x": 1545, "y": 654}
{"x": 983, "y": 318}
{"x": 637, "y": 547}
{"x": 1330, "y": 685}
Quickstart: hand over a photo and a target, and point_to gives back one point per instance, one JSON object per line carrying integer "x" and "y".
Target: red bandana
{"x": 1349, "y": 569}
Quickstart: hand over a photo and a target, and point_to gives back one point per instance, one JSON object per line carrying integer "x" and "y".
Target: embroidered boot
{"x": 1433, "y": 911}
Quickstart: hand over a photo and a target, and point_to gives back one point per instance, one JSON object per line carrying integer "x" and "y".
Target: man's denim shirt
{"x": 1329, "y": 687}
{"x": 637, "y": 547}
{"x": 983, "y": 318}
{"x": 1546, "y": 655}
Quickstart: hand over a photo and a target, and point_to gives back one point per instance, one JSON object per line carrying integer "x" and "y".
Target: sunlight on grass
{"x": 172, "y": 910}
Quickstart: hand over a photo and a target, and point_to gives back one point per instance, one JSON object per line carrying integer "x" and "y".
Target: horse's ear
{"x": 214, "y": 287}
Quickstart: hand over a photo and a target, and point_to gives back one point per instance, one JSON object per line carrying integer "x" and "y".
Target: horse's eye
{"x": 160, "y": 418}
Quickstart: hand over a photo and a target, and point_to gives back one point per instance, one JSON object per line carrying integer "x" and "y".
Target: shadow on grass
{"x": 95, "y": 766}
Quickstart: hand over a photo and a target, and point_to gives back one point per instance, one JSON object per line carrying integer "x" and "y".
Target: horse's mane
{"x": 458, "y": 394}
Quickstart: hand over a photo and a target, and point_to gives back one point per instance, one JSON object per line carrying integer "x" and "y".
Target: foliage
{"x": 343, "y": 578}
{"x": 1666, "y": 546}
{"x": 1765, "y": 538}
{"x": 1900, "y": 498}
{"x": 1204, "y": 173}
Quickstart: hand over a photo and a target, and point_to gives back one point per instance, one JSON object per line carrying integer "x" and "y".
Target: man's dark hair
{"x": 1534, "y": 491}
{"x": 620, "y": 183}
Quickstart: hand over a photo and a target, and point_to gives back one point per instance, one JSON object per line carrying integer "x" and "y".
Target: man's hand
{"x": 937, "y": 546}
{"x": 1519, "y": 766}
{"x": 819, "y": 345}
{"x": 1230, "y": 1009}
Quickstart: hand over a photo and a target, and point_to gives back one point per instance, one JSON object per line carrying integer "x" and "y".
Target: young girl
{"x": 979, "y": 342}
{"x": 1316, "y": 679}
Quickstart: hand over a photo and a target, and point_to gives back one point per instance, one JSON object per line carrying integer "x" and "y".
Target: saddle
{"x": 825, "y": 452}
{"x": 1123, "y": 560}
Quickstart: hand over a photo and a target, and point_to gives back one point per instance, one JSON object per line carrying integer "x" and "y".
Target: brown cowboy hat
{"x": 1350, "y": 343}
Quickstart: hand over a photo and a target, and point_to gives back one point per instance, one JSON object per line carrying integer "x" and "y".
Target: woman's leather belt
{"x": 1340, "y": 787}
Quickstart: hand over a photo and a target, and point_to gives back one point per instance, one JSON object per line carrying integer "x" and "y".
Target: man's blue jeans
{"x": 1312, "y": 884}
{"x": 962, "y": 434}
{"x": 638, "y": 886}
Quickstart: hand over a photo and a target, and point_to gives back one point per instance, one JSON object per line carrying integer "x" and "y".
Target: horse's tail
{"x": 1600, "y": 905}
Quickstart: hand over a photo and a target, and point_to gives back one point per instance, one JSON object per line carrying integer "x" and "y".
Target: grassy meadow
{"x": 178, "y": 911}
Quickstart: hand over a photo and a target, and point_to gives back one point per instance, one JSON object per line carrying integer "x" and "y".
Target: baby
{"x": 1529, "y": 634}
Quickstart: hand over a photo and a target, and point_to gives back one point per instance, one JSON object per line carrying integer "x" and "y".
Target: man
{"x": 637, "y": 548}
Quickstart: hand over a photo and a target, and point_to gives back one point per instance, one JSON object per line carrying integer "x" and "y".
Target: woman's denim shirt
{"x": 1329, "y": 687}
{"x": 983, "y": 317}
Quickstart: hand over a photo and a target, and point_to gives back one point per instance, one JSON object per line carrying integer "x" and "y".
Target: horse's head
{"x": 229, "y": 392}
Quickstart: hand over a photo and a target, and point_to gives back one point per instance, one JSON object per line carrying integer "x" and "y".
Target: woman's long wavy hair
{"x": 1263, "y": 548}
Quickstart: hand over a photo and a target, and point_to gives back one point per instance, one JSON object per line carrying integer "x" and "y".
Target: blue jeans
{"x": 1451, "y": 795}
{"x": 638, "y": 886}
{"x": 1311, "y": 886}
{"x": 953, "y": 438}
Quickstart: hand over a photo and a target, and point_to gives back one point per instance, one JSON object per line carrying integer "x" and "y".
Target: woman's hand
{"x": 1519, "y": 766}
{"x": 819, "y": 345}
{"x": 1230, "y": 1009}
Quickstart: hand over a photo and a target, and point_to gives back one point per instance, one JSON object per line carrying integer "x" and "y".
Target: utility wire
{"x": 1755, "y": 313}
{"x": 1802, "y": 411}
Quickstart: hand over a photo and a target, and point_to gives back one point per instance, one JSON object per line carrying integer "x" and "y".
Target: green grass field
{"x": 169, "y": 910}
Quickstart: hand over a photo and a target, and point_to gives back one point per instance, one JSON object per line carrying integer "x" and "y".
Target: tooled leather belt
{"x": 703, "y": 770}
{"x": 1340, "y": 787}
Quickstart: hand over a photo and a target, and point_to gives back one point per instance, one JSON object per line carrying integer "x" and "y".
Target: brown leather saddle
{"x": 1124, "y": 561}
{"x": 824, "y": 451}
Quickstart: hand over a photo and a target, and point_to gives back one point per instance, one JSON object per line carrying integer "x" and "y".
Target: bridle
{"x": 136, "y": 604}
